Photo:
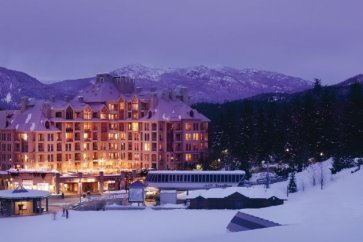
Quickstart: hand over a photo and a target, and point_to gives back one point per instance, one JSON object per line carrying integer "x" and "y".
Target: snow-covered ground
{"x": 332, "y": 214}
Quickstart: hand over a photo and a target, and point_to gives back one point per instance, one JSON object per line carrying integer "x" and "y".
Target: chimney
{"x": 184, "y": 95}
{"x": 24, "y": 101}
{"x": 153, "y": 100}
{"x": 46, "y": 109}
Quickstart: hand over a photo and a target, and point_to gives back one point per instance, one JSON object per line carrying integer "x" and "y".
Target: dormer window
{"x": 47, "y": 125}
{"x": 149, "y": 115}
{"x": 191, "y": 113}
{"x": 69, "y": 113}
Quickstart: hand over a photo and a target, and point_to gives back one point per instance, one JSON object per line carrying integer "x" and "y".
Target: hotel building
{"x": 109, "y": 127}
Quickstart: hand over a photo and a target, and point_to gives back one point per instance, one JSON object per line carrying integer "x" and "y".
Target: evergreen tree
{"x": 292, "y": 187}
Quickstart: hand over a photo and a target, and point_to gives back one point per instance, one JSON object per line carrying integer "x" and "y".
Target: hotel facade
{"x": 109, "y": 127}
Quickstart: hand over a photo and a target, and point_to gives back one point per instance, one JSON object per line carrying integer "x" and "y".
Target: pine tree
{"x": 292, "y": 188}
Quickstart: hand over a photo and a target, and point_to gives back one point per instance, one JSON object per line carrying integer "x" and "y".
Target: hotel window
{"x": 103, "y": 114}
{"x": 153, "y": 136}
{"x": 188, "y": 137}
{"x": 135, "y": 105}
{"x": 147, "y": 137}
{"x": 153, "y": 147}
{"x": 188, "y": 147}
{"x": 87, "y": 114}
{"x": 188, "y": 157}
{"x": 58, "y": 114}
{"x": 69, "y": 136}
{"x": 146, "y": 157}
{"x": 153, "y": 157}
{"x": 136, "y": 156}
{"x": 68, "y": 147}
{"x": 188, "y": 126}
{"x": 87, "y": 126}
{"x": 122, "y": 105}
{"x": 135, "y": 126}
{"x": 50, "y": 158}
{"x": 111, "y": 107}
{"x": 146, "y": 146}
{"x": 50, "y": 148}
{"x": 129, "y": 156}
{"x": 69, "y": 113}
{"x": 154, "y": 126}
{"x": 146, "y": 126}
{"x": 195, "y": 126}
{"x": 195, "y": 136}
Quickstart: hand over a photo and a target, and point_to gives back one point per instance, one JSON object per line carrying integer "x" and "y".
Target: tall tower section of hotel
{"x": 110, "y": 126}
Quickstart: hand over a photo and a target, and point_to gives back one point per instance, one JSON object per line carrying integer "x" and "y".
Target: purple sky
{"x": 55, "y": 40}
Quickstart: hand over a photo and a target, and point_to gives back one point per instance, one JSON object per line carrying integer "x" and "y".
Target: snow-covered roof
{"x": 4, "y": 173}
{"x": 100, "y": 91}
{"x": 13, "y": 170}
{"x": 7, "y": 115}
{"x": 236, "y": 172}
{"x": 251, "y": 192}
{"x": 173, "y": 110}
{"x": 31, "y": 119}
{"x": 10, "y": 194}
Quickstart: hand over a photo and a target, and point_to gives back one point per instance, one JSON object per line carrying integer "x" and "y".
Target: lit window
{"x": 195, "y": 136}
{"x": 135, "y": 127}
{"x": 188, "y": 157}
{"x": 188, "y": 137}
{"x": 188, "y": 126}
{"x": 146, "y": 146}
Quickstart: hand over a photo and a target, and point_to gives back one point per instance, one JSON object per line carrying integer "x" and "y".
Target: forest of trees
{"x": 319, "y": 123}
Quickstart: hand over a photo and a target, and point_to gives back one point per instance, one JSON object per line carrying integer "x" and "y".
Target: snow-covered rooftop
{"x": 251, "y": 192}
{"x": 10, "y": 194}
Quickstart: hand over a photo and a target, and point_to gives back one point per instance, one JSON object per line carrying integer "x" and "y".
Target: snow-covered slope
{"x": 14, "y": 85}
{"x": 217, "y": 84}
{"x": 333, "y": 214}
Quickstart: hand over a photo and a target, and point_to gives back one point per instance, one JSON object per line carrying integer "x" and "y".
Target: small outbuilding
{"x": 231, "y": 198}
{"x": 137, "y": 192}
{"x": 168, "y": 197}
{"x": 23, "y": 202}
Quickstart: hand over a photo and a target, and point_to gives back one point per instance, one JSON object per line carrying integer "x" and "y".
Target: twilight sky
{"x": 55, "y": 40}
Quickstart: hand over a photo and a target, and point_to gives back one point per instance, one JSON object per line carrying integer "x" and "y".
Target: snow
{"x": 28, "y": 194}
{"x": 32, "y": 127}
{"x": 334, "y": 213}
{"x": 8, "y": 97}
{"x": 28, "y": 118}
{"x": 251, "y": 192}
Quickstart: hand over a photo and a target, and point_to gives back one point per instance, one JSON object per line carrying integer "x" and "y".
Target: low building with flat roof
{"x": 21, "y": 201}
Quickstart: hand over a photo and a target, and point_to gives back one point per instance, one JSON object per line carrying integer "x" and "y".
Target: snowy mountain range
{"x": 205, "y": 84}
